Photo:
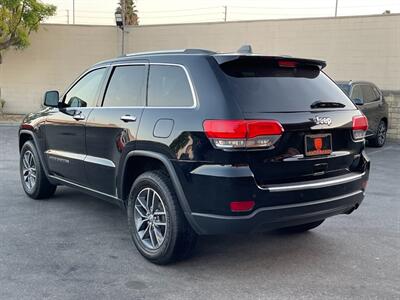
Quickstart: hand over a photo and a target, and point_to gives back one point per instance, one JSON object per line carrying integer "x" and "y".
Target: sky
{"x": 188, "y": 11}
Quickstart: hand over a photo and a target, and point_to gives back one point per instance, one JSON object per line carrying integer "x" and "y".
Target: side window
{"x": 84, "y": 92}
{"x": 357, "y": 93}
{"x": 369, "y": 94}
{"x": 126, "y": 87}
{"x": 169, "y": 87}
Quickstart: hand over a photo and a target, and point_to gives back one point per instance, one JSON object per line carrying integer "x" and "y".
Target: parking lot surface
{"x": 74, "y": 246}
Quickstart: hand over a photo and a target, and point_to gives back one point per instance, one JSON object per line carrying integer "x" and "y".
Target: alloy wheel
{"x": 29, "y": 170}
{"x": 150, "y": 218}
{"x": 381, "y": 133}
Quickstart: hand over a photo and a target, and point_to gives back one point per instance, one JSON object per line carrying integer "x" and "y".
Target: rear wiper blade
{"x": 327, "y": 104}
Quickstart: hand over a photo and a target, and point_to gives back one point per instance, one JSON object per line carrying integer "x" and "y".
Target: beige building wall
{"x": 57, "y": 55}
{"x": 362, "y": 48}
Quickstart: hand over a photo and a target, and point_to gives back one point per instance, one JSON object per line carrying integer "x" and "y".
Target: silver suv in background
{"x": 369, "y": 99}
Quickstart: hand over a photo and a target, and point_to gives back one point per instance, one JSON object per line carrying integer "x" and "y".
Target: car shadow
{"x": 255, "y": 251}
{"x": 258, "y": 250}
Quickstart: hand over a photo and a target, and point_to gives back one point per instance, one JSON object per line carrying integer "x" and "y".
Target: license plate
{"x": 318, "y": 144}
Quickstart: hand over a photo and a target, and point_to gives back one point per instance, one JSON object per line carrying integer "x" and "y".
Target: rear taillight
{"x": 242, "y": 134}
{"x": 360, "y": 127}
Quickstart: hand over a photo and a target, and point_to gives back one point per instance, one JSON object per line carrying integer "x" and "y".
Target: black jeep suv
{"x": 195, "y": 142}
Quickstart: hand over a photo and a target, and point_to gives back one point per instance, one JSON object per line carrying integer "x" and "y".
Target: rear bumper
{"x": 209, "y": 189}
{"x": 267, "y": 218}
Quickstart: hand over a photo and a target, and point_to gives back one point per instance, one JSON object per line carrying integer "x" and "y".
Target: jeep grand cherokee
{"x": 195, "y": 142}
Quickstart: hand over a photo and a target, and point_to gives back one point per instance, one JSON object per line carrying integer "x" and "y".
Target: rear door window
{"x": 126, "y": 87}
{"x": 169, "y": 87}
{"x": 262, "y": 86}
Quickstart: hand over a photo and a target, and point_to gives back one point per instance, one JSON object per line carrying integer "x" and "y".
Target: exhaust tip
{"x": 352, "y": 209}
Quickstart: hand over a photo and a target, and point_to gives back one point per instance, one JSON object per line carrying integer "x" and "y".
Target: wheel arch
{"x": 133, "y": 167}
{"x": 27, "y": 135}
{"x": 152, "y": 160}
{"x": 23, "y": 138}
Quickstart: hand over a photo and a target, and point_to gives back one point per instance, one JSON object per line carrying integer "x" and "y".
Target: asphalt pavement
{"x": 74, "y": 246}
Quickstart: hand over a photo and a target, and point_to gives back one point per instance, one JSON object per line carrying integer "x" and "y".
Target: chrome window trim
{"x": 191, "y": 85}
{"x": 193, "y": 91}
{"x": 117, "y": 64}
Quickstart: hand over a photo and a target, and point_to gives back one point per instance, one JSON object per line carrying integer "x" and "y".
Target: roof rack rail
{"x": 174, "y": 51}
{"x": 199, "y": 51}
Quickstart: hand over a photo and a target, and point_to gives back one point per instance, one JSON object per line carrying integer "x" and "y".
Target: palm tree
{"x": 131, "y": 13}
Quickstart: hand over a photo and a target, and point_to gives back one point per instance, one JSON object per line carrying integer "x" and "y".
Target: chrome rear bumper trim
{"x": 315, "y": 184}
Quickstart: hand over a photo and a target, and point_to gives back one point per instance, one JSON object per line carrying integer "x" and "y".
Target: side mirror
{"x": 51, "y": 99}
{"x": 358, "y": 101}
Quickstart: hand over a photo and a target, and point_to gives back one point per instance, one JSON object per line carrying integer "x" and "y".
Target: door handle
{"x": 128, "y": 118}
{"x": 79, "y": 116}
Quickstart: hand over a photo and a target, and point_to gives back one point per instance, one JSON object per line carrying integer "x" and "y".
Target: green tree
{"x": 18, "y": 18}
{"x": 131, "y": 13}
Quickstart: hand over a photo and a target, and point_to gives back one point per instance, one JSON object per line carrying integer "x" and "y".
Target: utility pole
{"x": 336, "y": 6}
{"x": 73, "y": 11}
{"x": 225, "y": 12}
{"x": 123, "y": 26}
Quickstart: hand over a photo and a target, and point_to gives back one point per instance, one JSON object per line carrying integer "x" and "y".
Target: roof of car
{"x": 220, "y": 57}
{"x": 149, "y": 54}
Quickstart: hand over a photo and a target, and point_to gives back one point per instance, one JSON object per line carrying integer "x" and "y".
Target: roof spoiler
{"x": 224, "y": 58}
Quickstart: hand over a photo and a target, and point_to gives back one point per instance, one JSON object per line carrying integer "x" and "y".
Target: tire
{"x": 380, "y": 138}
{"x": 301, "y": 228}
{"x": 153, "y": 197}
{"x": 33, "y": 178}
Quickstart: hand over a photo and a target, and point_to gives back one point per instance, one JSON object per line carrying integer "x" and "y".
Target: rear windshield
{"x": 264, "y": 86}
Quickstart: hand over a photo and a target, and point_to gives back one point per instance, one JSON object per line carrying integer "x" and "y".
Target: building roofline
{"x": 269, "y": 20}
{"x": 230, "y": 22}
